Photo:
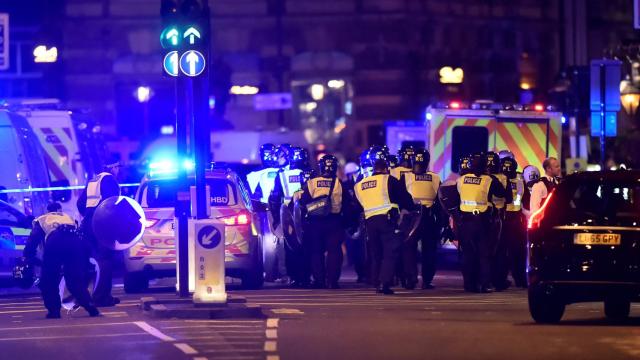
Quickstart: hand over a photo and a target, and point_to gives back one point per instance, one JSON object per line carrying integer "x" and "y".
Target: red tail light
{"x": 536, "y": 217}
{"x": 454, "y": 105}
{"x": 241, "y": 218}
{"x": 538, "y": 107}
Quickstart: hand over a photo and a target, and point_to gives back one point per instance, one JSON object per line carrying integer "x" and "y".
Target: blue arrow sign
{"x": 192, "y": 63}
{"x": 209, "y": 237}
{"x": 170, "y": 63}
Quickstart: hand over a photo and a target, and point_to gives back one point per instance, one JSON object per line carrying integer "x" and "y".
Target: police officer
{"x": 500, "y": 266}
{"x": 103, "y": 186}
{"x": 64, "y": 251}
{"x": 267, "y": 152}
{"x": 514, "y": 230}
{"x": 393, "y": 162}
{"x": 381, "y": 197}
{"x": 476, "y": 189}
{"x": 287, "y": 183}
{"x": 530, "y": 176}
{"x": 323, "y": 197}
{"x": 450, "y": 198}
{"x": 405, "y": 156}
{"x": 366, "y": 167}
{"x": 356, "y": 248}
{"x": 423, "y": 187}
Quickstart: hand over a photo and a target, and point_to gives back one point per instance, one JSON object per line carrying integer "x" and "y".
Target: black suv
{"x": 584, "y": 245}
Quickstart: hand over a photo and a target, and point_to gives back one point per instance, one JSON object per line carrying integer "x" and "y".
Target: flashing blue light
{"x": 167, "y": 166}
{"x": 429, "y": 116}
{"x": 564, "y": 120}
{"x": 212, "y": 102}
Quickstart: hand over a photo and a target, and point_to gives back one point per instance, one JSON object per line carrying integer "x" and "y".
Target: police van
{"x": 155, "y": 255}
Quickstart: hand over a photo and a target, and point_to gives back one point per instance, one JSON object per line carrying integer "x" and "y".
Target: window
{"x": 162, "y": 193}
{"x": 605, "y": 200}
{"x": 467, "y": 140}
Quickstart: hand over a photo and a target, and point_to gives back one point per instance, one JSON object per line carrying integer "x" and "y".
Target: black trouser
{"x": 473, "y": 231}
{"x": 297, "y": 260}
{"x": 325, "y": 235}
{"x": 499, "y": 264}
{"x": 514, "y": 235}
{"x": 64, "y": 251}
{"x": 104, "y": 257}
{"x": 427, "y": 235}
{"x": 358, "y": 254}
{"x": 383, "y": 241}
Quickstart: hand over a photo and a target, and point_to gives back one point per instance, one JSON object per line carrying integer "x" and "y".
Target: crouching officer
{"x": 323, "y": 198}
{"x": 475, "y": 190}
{"x": 423, "y": 187}
{"x": 514, "y": 229}
{"x": 381, "y": 196}
{"x": 97, "y": 190}
{"x": 64, "y": 252}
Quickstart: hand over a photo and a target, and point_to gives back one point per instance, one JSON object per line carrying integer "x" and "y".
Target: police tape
{"x": 55, "y": 188}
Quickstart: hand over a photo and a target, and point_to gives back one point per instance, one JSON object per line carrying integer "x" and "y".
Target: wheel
{"x": 253, "y": 278}
{"x": 545, "y": 307}
{"x": 135, "y": 282}
{"x": 617, "y": 308}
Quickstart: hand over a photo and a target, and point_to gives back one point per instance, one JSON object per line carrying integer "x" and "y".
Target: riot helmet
{"x": 365, "y": 162}
{"x": 464, "y": 167}
{"x": 393, "y": 161}
{"x": 298, "y": 158}
{"x": 493, "y": 163}
{"x": 505, "y": 154}
{"x": 421, "y": 161}
{"x": 406, "y": 155}
{"x": 267, "y": 152}
{"x": 509, "y": 167}
{"x": 530, "y": 174}
{"x": 328, "y": 166}
{"x": 478, "y": 163}
{"x": 282, "y": 155}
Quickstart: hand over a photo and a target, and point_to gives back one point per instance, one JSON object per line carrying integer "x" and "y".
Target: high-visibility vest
{"x": 423, "y": 187}
{"x": 291, "y": 181}
{"x": 253, "y": 179}
{"x": 267, "y": 182}
{"x": 51, "y": 221}
{"x": 320, "y": 186}
{"x": 373, "y": 195}
{"x": 94, "y": 198}
{"x": 517, "y": 190}
{"x": 399, "y": 171}
{"x": 498, "y": 201}
{"x": 474, "y": 192}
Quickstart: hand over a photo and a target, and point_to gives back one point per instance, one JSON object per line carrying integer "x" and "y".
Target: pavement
{"x": 350, "y": 323}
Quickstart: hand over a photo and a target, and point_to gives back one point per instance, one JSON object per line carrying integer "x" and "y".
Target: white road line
{"x": 270, "y": 346}
{"x": 212, "y": 326}
{"x": 273, "y": 322}
{"x": 185, "y": 348}
{"x": 22, "y": 311}
{"x": 153, "y": 331}
{"x": 271, "y": 333}
{"x": 199, "y": 358}
{"x": 273, "y": 357}
{"x": 71, "y": 336}
{"x": 287, "y": 311}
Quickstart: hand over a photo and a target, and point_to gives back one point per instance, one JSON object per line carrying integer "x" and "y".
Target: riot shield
{"x": 289, "y": 228}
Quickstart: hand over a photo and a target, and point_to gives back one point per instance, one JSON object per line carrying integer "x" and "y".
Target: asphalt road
{"x": 351, "y": 323}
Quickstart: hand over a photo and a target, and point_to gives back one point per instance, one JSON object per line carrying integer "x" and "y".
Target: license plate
{"x": 596, "y": 239}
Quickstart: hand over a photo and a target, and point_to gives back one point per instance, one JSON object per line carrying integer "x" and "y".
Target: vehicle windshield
{"x": 604, "y": 202}
{"x": 162, "y": 193}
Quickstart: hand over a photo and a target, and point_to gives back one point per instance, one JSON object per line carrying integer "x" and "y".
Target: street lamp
{"x": 629, "y": 96}
{"x": 143, "y": 94}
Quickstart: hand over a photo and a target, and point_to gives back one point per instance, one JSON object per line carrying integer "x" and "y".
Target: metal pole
{"x": 201, "y": 128}
{"x": 182, "y": 201}
{"x": 603, "y": 74}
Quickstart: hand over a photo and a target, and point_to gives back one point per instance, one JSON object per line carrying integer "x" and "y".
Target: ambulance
{"x": 452, "y": 130}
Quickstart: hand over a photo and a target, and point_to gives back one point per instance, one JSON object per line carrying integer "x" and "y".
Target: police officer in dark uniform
{"x": 476, "y": 189}
{"x": 324, "y": 200}
{"x": 423, "y": 187}
{"x": 405, "y": 156}
{"x": 104, "y": 186}
{"x": 499, "y": 263}
{"x": 287, "y": 183}
{"x": 64, "y": 252}
{"x": 514, "y": 230}
{"x": 381, "y": 197}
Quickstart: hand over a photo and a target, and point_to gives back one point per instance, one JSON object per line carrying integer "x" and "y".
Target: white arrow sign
{"x": 173, "y": 36}
{"x": 192, "y": 63}
{"x": 192, "y": 33}
{"x": 193, "y": 60}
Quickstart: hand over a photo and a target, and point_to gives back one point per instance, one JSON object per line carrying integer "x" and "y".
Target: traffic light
{"x": 184, "y": 37}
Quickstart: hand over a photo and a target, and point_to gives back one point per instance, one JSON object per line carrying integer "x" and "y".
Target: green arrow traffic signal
{"x": 170, "y": 37}
{"x": 192, "y": 33}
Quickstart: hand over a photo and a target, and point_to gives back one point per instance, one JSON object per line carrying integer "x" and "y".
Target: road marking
{"x": 115, "y": 314}
{"x": 17, "y": 316}
{"x": 200, "y": 358}
{"x": 153, "y": 331}
{"x": 22, "y": 311}
{"x": 71, "y": 336}
{"x": 284, "y": 311}
{"x": 212, "y": 326}
{"x": 271, "y": 333}
{"x": 186, "y": 348}
{"x": 273, "y": 357}
{"x": 273, "y": 322}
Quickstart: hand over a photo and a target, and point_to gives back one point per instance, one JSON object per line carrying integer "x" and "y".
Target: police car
{"x": 15, "y": 228}
{"x": 584, "y": 245}
{"x": 155, "y": 255}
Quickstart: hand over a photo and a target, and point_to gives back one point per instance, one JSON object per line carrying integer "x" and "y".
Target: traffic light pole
{"x": 201, "y": 128}
{"x": 603, "y": 122}
{"x": 182, "y": 203}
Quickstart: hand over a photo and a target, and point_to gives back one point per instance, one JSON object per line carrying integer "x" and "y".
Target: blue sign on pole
{"x": 610, "y": 69}
{"x": 170, "y": 63}
{"x": 192, "y": 63}
{"x": 4, "y": 41}
{"x": 209, "y": 237}
{"x": 611, "y": 123}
